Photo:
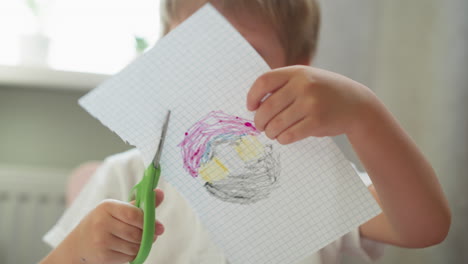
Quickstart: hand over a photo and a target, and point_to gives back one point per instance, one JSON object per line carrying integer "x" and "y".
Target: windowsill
{"x": 46, "y": 78}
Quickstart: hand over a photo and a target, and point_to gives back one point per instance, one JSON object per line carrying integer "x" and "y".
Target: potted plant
{"x": 34, "y": 47}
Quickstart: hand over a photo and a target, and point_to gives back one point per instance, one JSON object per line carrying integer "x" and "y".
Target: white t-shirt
{"x": 184, "y": 239}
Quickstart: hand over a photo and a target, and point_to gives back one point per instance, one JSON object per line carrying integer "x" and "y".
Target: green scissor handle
{"x": 145, "y": 200}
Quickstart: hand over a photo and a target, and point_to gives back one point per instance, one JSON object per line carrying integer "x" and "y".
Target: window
{"x": 83, "y": 35}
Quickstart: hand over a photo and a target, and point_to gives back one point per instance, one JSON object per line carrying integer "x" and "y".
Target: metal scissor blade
{"x": 157, "y": 156}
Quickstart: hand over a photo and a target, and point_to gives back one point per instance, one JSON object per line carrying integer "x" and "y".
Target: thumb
{"x": 159, "y": 197}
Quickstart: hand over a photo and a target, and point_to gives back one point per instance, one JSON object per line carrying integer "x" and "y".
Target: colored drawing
{"x": 229, "y": 154}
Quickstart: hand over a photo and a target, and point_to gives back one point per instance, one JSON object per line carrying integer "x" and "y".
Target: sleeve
{"x": 99, "y": 187}
{"x": 363, "y": 175}
{"x": 367, "y": 250}
{"x": 353, "y": 244}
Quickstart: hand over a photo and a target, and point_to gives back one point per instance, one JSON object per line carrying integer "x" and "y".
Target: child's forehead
{"x": 261, "y": 34}
{"x": 238, "y": 13}
{"x": 252, "y": 25}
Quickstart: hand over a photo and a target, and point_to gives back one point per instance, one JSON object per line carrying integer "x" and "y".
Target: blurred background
{"x": 413, "y": 54}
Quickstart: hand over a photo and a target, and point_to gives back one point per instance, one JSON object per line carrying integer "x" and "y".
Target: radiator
{"x": 31, "y": 201}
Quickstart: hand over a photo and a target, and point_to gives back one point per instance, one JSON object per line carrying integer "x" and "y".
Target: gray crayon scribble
{"x": 251, "y": 183}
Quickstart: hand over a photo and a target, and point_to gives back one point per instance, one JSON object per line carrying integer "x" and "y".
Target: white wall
{"x": 414, "y": 55}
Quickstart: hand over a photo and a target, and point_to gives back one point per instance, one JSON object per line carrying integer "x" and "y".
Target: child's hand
{"x": 305, "y": 102}
{"x": 111, "y": 233}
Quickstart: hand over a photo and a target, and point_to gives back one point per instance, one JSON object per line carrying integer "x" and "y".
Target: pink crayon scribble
{"x": 214, "y": 124}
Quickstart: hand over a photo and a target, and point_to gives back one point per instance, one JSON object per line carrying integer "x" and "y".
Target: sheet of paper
{"x": 261, "y": 202}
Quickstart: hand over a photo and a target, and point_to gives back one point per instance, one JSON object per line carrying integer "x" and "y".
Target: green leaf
{"x": 140, "y": 44}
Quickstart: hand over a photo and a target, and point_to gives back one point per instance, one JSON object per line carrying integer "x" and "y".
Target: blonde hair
{"x": 296, "y": 21}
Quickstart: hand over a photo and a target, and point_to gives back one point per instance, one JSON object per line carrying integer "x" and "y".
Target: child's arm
{"x": 306, "y": 101}
{"x": 416, "y": 213}
{"x": 110, "y": 233}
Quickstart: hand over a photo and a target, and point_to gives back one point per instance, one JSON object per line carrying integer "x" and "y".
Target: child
{"x": 304, "y": 102}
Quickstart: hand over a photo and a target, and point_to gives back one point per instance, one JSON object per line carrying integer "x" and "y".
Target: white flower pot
{"x": 34, "y": 50}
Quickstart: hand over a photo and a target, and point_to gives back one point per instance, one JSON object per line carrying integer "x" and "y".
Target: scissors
{"x": 145, "y": 197}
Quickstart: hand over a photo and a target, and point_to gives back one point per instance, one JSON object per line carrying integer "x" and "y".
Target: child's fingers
{"x": 119, "y": 245}
{"x": 159, "y": 228}
{"x": 285, "y": 119}
{"x": 276, "y": 103}
{"x": 159, "y": 196}
{"x": 126, "y": 232}
{"x": 129, "y": 216}
{"x": 298, "y": 131}
{"x": 112, "y": 256}
{"x": 265, "y": 84}
{"x": 118, "y": 257}
{"x": 126, "y": 213}
{"x": 133, "y": 234}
